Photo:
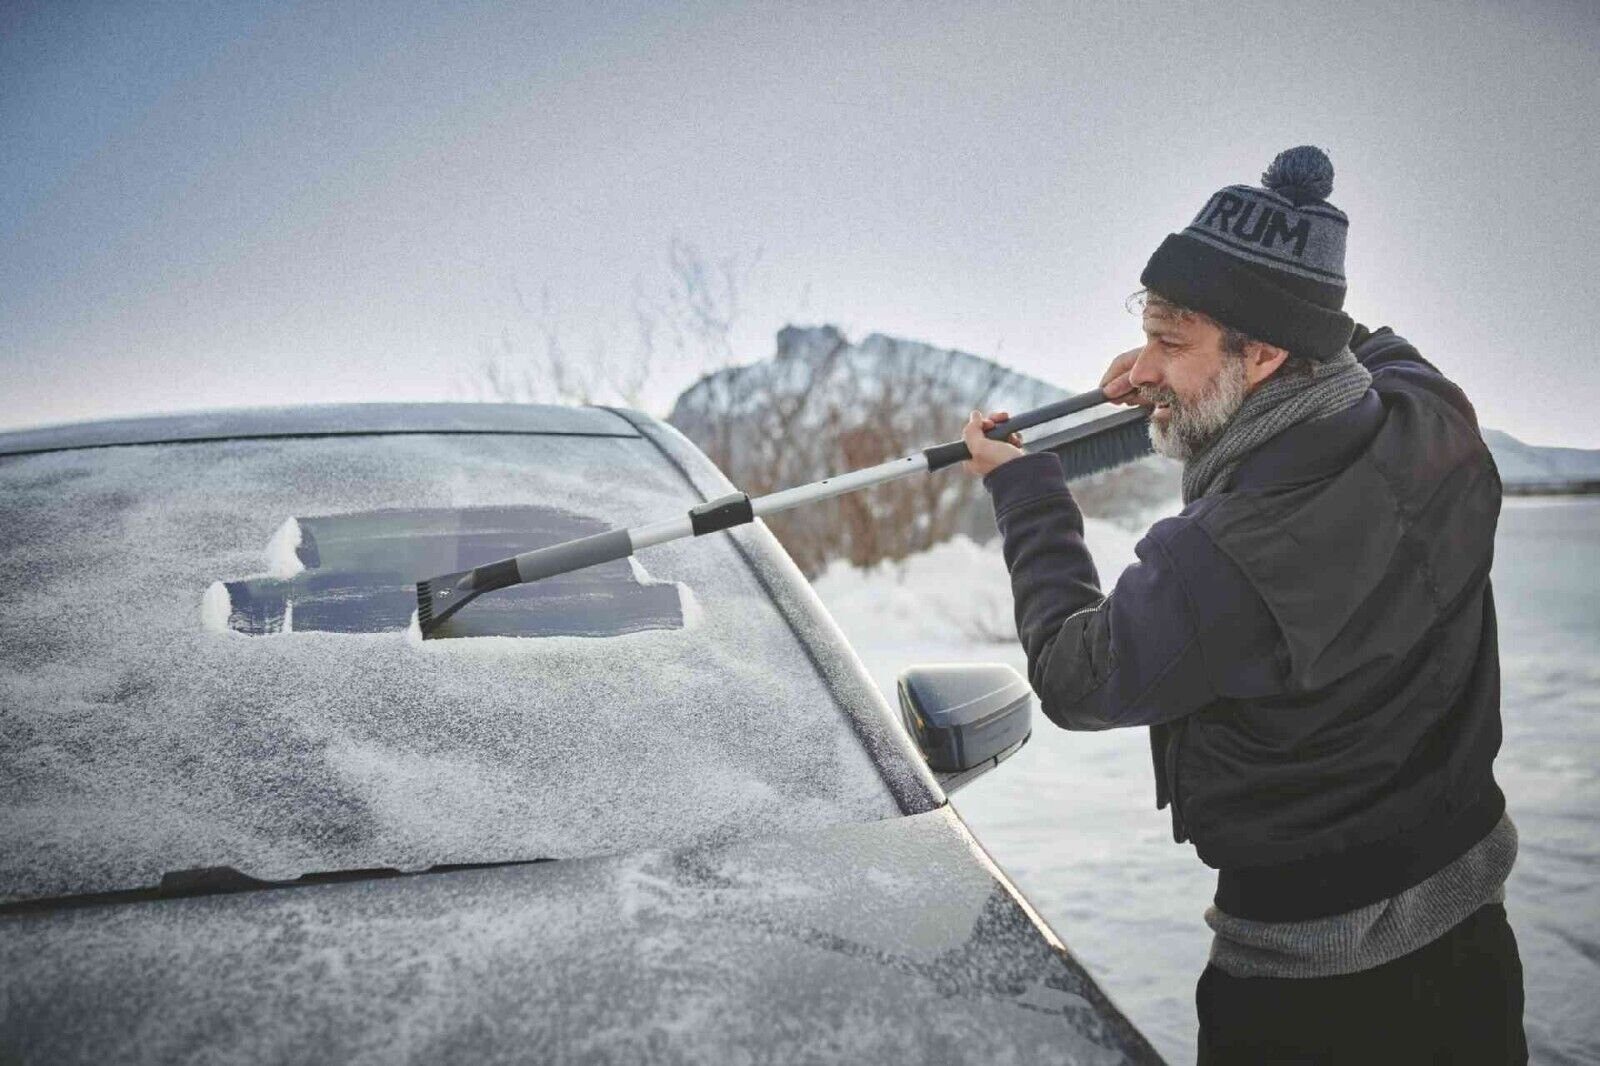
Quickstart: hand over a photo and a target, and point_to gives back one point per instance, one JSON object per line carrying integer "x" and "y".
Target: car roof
{"x": 319, "y": 420}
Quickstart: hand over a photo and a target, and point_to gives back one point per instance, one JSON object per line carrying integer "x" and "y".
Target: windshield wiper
{"x": 225, "y": 880}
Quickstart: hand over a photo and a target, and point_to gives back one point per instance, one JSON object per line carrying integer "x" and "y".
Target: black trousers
{"x": 1456, "y": 1000}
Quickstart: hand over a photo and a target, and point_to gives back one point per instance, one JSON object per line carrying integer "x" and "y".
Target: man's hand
{"x": 988, "y": 454}
{"x": 1118, "y": 388}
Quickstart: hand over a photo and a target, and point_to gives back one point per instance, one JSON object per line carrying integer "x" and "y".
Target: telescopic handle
{"x": 1048, "y": 413}
{"x": 943, "y": 455}
{"x": 433, "y": 607}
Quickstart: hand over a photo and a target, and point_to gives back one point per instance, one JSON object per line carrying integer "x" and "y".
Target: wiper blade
{"x": 225, "y": 880}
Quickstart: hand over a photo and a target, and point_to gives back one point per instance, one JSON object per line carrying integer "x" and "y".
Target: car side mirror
{"x": 966, "y": 718}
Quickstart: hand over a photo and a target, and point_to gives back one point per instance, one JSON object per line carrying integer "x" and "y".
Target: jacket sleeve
{"x": 1134, "y": 656}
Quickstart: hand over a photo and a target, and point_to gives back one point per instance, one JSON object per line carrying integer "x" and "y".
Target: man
{"x": 1311, "y": 642}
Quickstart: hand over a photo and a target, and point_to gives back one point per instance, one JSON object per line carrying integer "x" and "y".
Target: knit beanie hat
{"x": 1268, "y": 262}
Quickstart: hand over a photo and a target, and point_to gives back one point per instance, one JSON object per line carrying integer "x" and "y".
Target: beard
{"x": 1193, "y": 424}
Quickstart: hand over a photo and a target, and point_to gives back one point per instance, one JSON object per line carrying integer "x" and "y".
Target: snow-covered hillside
{"x": 822, "y": 362}
{"x": 1522, "y": 464}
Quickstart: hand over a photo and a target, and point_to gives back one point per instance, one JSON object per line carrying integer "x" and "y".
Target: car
{"x": 651, "y": 811}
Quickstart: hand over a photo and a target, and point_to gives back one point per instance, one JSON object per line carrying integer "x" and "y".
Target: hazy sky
{"x": 208, "y": 204}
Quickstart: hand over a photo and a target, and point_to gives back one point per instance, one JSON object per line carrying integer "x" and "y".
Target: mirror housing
{"x": 966, "y": 718}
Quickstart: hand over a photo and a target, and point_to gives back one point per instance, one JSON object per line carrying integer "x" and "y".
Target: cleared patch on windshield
{"x": 357, "y": 573}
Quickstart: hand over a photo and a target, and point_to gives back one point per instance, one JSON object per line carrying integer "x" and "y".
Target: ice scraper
{"x": 1084, "y": 449}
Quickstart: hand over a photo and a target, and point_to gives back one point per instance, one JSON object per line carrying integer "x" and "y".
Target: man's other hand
{"x": 1115, "y": 380}
{"x": 988, "y": 454}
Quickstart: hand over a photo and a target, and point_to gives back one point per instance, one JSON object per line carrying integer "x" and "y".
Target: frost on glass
{"x": 139, "y": 736}
{"x": 871, "y": 943}
{"x": 358, "y": 573}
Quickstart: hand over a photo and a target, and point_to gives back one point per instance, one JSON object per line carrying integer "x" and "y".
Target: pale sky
{"x": 209, "y": 204}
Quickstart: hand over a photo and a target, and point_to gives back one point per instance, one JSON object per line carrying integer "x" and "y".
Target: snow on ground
{"x": 1072, "y": 818}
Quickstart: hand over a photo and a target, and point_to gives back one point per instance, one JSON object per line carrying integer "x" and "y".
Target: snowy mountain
{"x": 1524, "y": 466}
{"x": 809, "y": 358}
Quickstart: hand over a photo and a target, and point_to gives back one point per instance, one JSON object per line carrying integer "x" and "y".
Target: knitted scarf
{"x": 1274, "y": 406}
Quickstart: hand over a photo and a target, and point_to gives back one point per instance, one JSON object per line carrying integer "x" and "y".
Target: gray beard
{"x": 1192, "y": 426}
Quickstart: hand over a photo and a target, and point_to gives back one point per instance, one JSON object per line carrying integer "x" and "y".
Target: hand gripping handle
{"x": 943, "y": 455}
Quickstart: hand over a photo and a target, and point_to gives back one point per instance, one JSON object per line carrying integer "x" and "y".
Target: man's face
{"x": 1195, "y": 385}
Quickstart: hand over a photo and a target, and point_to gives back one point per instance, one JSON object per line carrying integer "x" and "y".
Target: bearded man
{"x": 1311, "y": 642}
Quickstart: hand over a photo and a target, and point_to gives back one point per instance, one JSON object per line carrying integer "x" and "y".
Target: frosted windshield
{"x": 150, "y": 723}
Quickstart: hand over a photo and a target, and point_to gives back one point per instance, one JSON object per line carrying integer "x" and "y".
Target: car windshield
{"x": 205, "y": 661}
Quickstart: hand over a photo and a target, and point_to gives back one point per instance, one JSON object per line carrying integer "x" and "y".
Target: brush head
{"x": 1099, "y": 445}
{"x": 440, "y": 597}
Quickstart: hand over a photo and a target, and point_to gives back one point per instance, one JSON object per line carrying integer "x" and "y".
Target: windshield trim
{"x": 228, "y": 881}
{"x": 322, "y": 420}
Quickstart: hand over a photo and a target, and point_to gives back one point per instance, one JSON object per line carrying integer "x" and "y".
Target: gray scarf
{"x": 1274, "y": 406}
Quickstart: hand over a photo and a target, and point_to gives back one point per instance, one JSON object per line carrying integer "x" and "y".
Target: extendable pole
{"x": 441, "y": 597}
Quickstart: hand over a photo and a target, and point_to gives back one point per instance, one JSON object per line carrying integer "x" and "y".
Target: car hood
{"x": 895, "y": 940}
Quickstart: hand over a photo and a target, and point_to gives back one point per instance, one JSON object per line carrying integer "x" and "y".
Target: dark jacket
{"x": 1313, "y": 648}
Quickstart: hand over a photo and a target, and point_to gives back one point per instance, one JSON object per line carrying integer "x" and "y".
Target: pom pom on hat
{"x": 1303, "y": 174}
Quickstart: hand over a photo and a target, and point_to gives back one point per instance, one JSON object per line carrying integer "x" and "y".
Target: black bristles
{"x": 424, "y": 604}
{"x": 1104, "y": 443}
{"x": 440, "y": 597}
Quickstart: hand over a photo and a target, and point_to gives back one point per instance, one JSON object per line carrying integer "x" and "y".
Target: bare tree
{"x": 686, "y": 328}
{"x": 822, "y": 406}
{"x": 538, "y": 364}
{"x": 702, "y": 305}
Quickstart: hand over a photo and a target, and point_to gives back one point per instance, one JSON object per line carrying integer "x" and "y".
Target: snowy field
{"x": 1072, "y": 816}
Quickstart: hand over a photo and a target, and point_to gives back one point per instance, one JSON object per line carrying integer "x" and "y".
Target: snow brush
{"x": 1084, "y": 449}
